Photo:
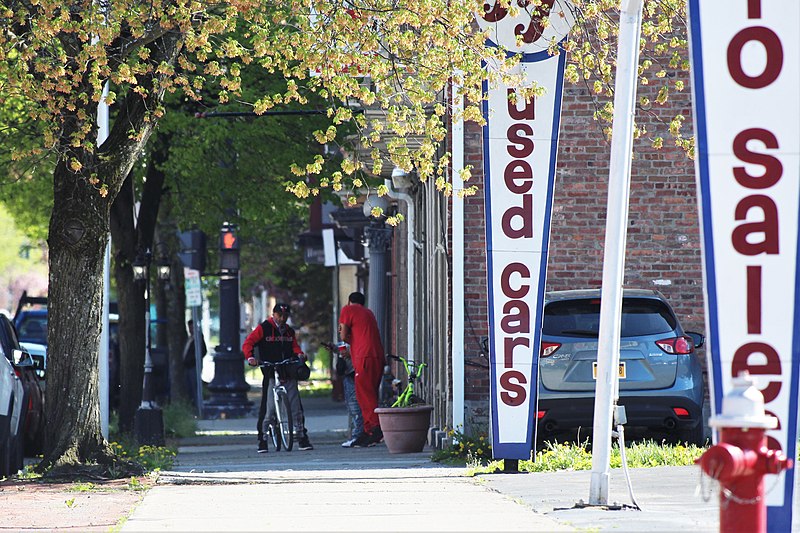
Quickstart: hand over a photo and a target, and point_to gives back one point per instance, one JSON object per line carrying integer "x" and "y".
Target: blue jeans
{"x": 349, "y": 382}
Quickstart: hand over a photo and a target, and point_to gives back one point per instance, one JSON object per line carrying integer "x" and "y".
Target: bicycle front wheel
{"x": 274, "y": 434}
{"x": 284, "y": 419}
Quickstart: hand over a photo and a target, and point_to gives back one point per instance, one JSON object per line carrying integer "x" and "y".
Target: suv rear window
{"x": 581, "y": 318}
{"x": 33, "y": 328}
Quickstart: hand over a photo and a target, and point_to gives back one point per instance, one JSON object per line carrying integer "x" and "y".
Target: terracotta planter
{"x": 405, "y": 429}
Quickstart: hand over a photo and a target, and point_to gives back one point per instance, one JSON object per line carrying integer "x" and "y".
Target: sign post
{"x": 619, "y": 180}
{"x": 745, "y": 78}
{"x": 194, "y": 299}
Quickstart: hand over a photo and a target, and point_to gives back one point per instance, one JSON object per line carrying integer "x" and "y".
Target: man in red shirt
{"x": 358, "y": 327}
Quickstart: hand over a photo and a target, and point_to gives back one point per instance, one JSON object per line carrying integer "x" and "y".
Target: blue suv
{"x": 660, "y": 375}
{"x": 30, "y": 320}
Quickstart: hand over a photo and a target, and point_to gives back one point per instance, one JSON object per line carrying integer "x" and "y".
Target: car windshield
{"x": 581, "y": 318}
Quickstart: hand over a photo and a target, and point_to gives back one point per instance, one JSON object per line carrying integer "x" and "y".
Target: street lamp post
{"x": 148, "y": 423}
{"x": 228, "y": 388}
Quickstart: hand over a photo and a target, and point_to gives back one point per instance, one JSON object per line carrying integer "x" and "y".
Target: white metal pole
{"x": 458, "y": 263}
{"x": 102, "y": 363}
{"x": 614, "y": 255}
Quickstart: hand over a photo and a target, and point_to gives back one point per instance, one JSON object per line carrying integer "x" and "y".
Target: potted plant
{"x": 405, "y": 424}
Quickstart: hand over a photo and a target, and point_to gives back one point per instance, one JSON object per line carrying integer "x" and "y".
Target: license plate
{"x": 621, "y": 372}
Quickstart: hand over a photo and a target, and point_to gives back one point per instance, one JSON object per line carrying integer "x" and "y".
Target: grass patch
{"x": 475, "y": 450}
{"x": 179, "y": 422}
{"x": 28, "y": 472}
{"x": 476, "y": 454}
{"x": 152, "y": 458}
{"x": 252, "y": 374}
{"x": 83, "y": 487}
{"x": 315, "y": 388}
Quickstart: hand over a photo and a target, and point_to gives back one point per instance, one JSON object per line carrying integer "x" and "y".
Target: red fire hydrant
{"x": 741, "y": 459}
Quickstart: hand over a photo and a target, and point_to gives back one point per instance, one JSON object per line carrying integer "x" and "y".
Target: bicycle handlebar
{"x": 269, "y": 364}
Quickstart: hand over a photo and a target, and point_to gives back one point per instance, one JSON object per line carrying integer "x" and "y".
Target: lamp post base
{"x": 148, "y": 426}
{"x": 233, "y": 406}
{"x": 228, "y": 388}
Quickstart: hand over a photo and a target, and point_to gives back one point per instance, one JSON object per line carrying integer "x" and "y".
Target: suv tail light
{"x": 680, "y": 412}
{"x": 682, "y": 345}
{"x": 549, "y": 348}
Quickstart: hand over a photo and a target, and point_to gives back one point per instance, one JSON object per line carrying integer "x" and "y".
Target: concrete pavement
{"x": 219, "y": 482}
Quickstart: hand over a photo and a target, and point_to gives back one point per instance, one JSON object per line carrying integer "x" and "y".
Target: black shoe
{"x": 304, "y": 443}
{"x": 377, "y": 435}
{"x": 363, "y": 441}
{"x": 262, "y": 446}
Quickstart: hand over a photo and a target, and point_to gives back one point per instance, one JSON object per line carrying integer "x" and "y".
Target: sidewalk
{"x": 219, "y": 482}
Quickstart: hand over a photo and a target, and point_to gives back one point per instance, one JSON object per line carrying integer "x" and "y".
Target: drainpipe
{"x": 397, "y": 195}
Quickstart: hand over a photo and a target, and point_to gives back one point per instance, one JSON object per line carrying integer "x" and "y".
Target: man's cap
{"x": 283, "y": 309}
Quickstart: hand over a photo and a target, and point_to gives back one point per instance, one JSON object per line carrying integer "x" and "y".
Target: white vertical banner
{"x": 746, "y": 77}
{"x": 520, "y": 141}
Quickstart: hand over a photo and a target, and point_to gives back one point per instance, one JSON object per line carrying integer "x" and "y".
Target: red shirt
{"x": 365, "y": 338}
{"x": 257, "y": 335}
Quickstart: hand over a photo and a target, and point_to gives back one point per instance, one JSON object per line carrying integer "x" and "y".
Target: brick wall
{"x": 663, "y": 247}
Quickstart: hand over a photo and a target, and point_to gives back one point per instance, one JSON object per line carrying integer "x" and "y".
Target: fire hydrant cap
{"x": 743, "y": 407}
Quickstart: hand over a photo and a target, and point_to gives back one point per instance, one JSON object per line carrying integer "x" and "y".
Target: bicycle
{"x": 281, "y": 431}
{"x": 407, "y": 397}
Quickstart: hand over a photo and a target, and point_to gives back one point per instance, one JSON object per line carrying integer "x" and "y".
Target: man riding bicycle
{"x": 276, "y": 341}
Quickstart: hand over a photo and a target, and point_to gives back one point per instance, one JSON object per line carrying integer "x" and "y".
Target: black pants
{"x": 262, "y": 410}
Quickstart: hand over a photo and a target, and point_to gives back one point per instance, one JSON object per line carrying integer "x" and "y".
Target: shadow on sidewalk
{"x": 227, "y": 446}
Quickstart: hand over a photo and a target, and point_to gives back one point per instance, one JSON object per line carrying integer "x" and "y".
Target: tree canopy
{"x": 396, "y": 56}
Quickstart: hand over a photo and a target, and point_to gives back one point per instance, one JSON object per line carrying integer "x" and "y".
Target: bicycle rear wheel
{"x": 284, "y": 419}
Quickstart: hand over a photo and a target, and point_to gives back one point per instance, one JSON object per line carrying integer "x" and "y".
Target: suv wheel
{"x": 695, "y": 435}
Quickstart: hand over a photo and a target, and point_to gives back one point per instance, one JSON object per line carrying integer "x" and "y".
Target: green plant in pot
{"x": 405, "y": 424}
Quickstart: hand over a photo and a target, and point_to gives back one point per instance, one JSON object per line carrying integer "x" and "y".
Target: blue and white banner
{"x": 746, "y": 77}
{"x": 520, "y": 141}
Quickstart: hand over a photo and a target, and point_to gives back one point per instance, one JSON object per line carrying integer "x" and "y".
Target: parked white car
{"x": 12, "y": 396}
{"x": 39, "y": 353}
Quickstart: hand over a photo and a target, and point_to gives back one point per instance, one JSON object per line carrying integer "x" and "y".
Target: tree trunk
{"x": 174, "y": 301}
{"x": 85, "y": 183}
{"x": 125, "y": 243}
{"x": 77, "y": 240}
{"x": 177, "y": 330}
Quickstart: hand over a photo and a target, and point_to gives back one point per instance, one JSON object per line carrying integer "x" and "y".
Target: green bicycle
{"x": 407, "y": 398}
